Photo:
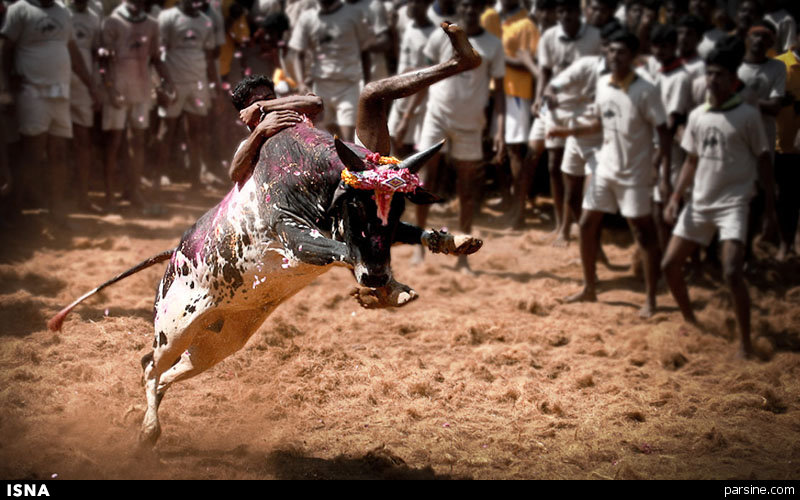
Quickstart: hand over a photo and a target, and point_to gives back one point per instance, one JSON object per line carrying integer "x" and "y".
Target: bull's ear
{"x": 422, "y": 196}
{"x": 348, "y": 156}
{"x": 416, "y": 161}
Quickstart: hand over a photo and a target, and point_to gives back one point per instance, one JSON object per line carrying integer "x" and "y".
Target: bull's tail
{"x": 56, "y": 321}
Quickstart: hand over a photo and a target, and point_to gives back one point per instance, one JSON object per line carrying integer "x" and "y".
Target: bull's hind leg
{"x": 168, "y": 349}
{"x": 373, "y": 104}
{"x": 221, "y": 336}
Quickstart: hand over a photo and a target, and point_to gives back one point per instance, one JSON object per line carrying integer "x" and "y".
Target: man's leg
{"x": 573, "y": 197}
{"x": 82, "y": 142}
{"x": 32, "y": 178}
{"x": 57, "y": 172}
{"x": 590, "y": 226}
{"x": 678, "y": 250}
{"x": 468, "y": 186}
{"x": 373, "y": 108}
{"x": 733, "y": 252}
{"x": 787, "y": 179}
{"x": 523, "y": 179}
{"x": 644, "y": 231}
{"x": 113, "y": 141}
{"x": 197, "y": 131}
{"x": 554, "y": 157}
{"x": 165, "y": 147}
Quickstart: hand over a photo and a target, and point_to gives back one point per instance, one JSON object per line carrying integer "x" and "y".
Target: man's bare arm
{"x": 245, "y": 157}
{"x": 309, "y": 105}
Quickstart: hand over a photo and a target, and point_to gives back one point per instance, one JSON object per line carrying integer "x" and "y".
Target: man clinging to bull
{"x": 308, "y": 202}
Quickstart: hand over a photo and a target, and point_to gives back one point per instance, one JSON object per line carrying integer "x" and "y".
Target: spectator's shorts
{"x": 136, "y": 114}
{"x": 339, "y": 100}
{"x": 701, "y": 226}
{"x": 39, "y": 115}
{"x": 191, "y": 98}
{"x": 579, "y": 160}
{"x": 518, "y": 120}
{"x": 80, "y": 105}
{"x": 607, "y": 195}
{"x": 541, "y": 125}
{"x": 414, "y": 128}
{"x": 464, "y": 145}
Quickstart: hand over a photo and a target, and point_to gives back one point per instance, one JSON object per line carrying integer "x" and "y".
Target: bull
{"x": 312, "y": 202}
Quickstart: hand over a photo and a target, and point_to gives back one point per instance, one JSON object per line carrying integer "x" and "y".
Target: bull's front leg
{"x": 309, "y": 246}
{"x": 438, "y": 241}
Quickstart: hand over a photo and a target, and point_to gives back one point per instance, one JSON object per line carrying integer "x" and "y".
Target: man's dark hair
{"x": 609, "y": 29}
{"x": 626, "y": 38}
{"x": 681, "y": 5}
{"x": 693, "y": 23}
{"x": 244, "y": 89}
{"x": 654, "y": 5}
{"x": 611, "y": 4}
{"x": 545, "y": 4}
{"x": 276, "y": 22}
{"x": 569, "y": 4}
{"x": 763, "y": 23}
{"x": 728, "y": 53}
{"x": 663, "y": 34}
{"x": 757, "y": 3}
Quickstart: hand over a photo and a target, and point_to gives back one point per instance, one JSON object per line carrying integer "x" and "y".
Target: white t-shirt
{"x": 186, "y": 40}
{"x": 557, "y": 51}
{"x": 412, "y": 56}
{"x": 629, "y": 121}
{"x": 333, "y": 41}
{"x": 695, "y": 66}
{"x": 727, "y": 145}
{"x": 133, "y": 45}
{"x": 787, "y": 29}
{"x": 461, "y": 99}
{"x": 763, "y": 81}
{"x": 40, "y": 38}
{"x": 86, "y": 29}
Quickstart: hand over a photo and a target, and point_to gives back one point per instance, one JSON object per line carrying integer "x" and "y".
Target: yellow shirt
{"x": 788, "y": 120}
{"x": 238, "y": 33}
{"x": 517, "y": 32}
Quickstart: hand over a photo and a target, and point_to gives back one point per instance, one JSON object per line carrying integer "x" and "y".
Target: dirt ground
{"x": 484, "y": 377}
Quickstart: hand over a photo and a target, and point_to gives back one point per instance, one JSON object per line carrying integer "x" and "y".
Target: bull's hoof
{"x": 392, "y": 295}
{"x": 442, "y": 242}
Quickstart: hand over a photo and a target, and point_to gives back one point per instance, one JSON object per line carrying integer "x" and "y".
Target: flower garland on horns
{"x": 385, "y": 179}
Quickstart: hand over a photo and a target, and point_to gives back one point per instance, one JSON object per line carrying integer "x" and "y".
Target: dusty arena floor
{"x": 485, "y": 377}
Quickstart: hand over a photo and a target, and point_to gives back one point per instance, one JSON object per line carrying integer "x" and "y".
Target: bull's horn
{"x": 348, "y": 156}
{"x": 416, "y": 161}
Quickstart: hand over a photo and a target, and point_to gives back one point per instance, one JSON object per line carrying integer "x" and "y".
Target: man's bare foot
{"x": 549, "y": 236}
{"x": 647, "y": 310}
{"x": 394, "y": 294}
{"x": 465, "y": 56}
{"x": 561, "y": 241}
{"x": 585, "y": 295}
{"x": 462, "y": 266}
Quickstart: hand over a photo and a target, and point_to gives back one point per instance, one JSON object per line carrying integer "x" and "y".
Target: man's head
{"x": 690, "y": 33}
{"x": 509, "y": 5}
{"x": 568, "y": 13}
{"x": 622, "y": 49}
{"x": 80, "y": 5}
{"x": 722, "y": 64}
{"x": 469, "y": 13}
{"x": 190, "y": 7}
{"x": 749, "y": 12}
{"x": 703, "y": 9}
{"x": 418, "y": 10}
{"x": 253, "y": 88}
{"x": 545, "y": 13}
{"x": 271, "y": 31}
{"x": 663, "y": 43}
{"x": 760, "y": 38}
{"x": 135, "y": 6}
{"x": 633, "y": 14}
{"x": 600, "y": 12}
{"x": 674, "y": 10}
{"x": 327, "y": 4}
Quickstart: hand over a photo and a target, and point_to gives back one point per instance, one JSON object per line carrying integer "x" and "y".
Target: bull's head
{"x": 367, "y": 206}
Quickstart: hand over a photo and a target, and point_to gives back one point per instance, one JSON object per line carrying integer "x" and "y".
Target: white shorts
{"x": 701, "y": 226}
{"x": 608, "y": 195}
{"x": 136, "y": 114}
{"x": 414, "y": 128}
{"x": 464, "y": 145}
{"x": 339, "y": 100}
{"x": 579, "y": 159}
{"x": 517, "y": 120}
{"x": 191, "y": 98}
{"x": 80, "y": 105}
{"x": 39, "y": 115}
{"x": 541, "y": 125}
